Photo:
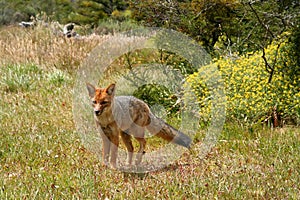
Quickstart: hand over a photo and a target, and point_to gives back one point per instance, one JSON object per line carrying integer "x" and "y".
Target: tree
{"x": 155, "y": 13}
{"x": 63, "y": 8}
{"x": 14, "y": 11}
{"x": 91, "y": 11}
{"x": 215, "y": 19}
{"x": 205, "y": 21}
{"x": 112, "y": 5}
{"x": 293, "y": 53}
{"x": 87, "y": 12}
{"x": 232, "y": 25}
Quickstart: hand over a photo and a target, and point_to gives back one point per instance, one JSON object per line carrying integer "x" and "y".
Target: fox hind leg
{"x": 128, "y": 143}
{"x": 138, "y": 132}
{"x": 141, "y": 151}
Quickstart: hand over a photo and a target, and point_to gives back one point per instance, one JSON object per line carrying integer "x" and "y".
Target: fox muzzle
{"x": 97, "y": 112}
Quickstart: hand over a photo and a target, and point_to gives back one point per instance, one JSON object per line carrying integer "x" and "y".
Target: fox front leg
{"x": 105, "y": 153}
{"x": 114, "y": 151}
{"x": 104, "y": 133}
{"x": 127, "y": 139}
{"x": 106, "y": 149}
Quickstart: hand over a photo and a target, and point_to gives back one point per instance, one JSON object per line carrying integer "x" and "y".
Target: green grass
{"x": 42, "y": 157}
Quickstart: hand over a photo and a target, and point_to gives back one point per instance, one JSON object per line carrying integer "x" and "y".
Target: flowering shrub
{"x": 251, "y": 98}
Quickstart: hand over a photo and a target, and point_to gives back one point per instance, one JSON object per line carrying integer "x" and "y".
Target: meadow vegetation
{"x": 42, "y": 157}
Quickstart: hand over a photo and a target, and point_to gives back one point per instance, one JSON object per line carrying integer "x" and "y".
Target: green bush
{"x": 158, "y": 95}
{"x": 17, "y": 78}
{"x": 111, "y": 26}
{"x": 251, "y": 98}
{"x": 24, "y": 78}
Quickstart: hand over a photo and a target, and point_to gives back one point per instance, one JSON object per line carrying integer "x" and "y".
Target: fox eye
{"x": 94, "y": 102}
{"x": 104, "y": 102}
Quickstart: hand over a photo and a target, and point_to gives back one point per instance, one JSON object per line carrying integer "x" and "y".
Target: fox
{"x": 127, "y": 117}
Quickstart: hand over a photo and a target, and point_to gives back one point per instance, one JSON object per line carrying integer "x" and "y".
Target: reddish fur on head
{"x": 101, "y": 97}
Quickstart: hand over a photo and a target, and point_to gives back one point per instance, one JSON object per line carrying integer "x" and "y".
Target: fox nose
{"x": 97, "y": 112}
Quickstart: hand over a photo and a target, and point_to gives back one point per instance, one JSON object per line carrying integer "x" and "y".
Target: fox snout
{"x": 98, "y": 112}
{"x": 98, "y": 109}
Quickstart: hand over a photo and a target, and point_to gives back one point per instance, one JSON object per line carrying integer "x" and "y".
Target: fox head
{"x": 102, "y": 98}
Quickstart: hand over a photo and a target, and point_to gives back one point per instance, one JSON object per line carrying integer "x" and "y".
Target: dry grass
{"x": 41, "y": 46}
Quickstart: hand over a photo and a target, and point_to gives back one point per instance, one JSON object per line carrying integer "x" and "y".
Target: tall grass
{"x": 44, "y": 46}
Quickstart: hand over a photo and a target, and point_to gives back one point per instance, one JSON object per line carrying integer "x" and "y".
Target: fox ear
{"x": 91, "y": 89}
{"x": 110, "y": 90}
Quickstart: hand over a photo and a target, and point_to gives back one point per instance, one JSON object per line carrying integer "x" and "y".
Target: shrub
{"x": 25, "y": 78}
{"x": 19, "y": 78}
{"x": 154, "y": 94}
{"x": 111, "y": 26}
{"x": 250, "y": 97}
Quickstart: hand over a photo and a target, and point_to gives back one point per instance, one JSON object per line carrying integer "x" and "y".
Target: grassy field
{"x": 42, "y": 157}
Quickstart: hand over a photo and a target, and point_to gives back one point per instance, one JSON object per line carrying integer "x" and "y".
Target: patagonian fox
{"x": 129, "y": 117}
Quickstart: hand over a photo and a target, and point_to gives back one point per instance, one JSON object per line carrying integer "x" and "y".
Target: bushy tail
{"x": 165, "y": 131}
